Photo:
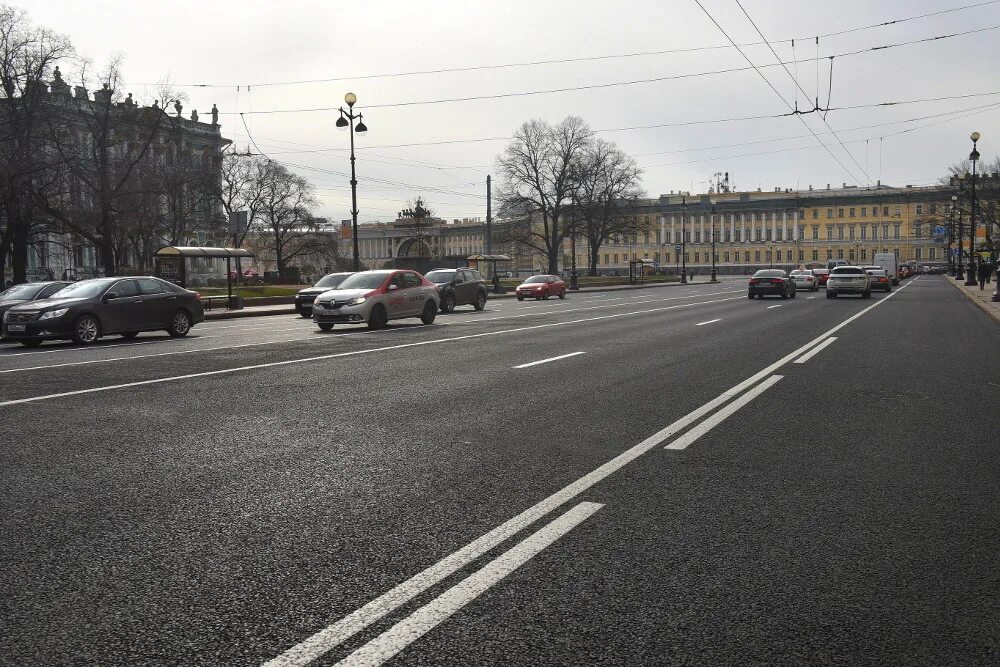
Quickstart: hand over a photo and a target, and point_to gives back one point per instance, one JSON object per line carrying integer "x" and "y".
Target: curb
{"x": 992, "y": 312}
{"x": 234, "y": 314}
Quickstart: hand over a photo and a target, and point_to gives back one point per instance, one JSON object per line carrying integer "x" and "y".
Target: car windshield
{"x": 801, "y": 273}
{"x": 331, "y": 280}
{"x": 847, "y": 271}
{"x": 21, "y": 292}
{"x": 364, "y": 280}
{"x": 769, "y": 273}
{"x": 441, "y": 276}
{"x": 85, "y": 289}
{"x": 537, "y": 279}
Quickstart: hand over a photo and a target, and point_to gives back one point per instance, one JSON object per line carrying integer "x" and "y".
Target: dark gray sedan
{"x": 89, "y": 309}
{"x": 19, "y": 294}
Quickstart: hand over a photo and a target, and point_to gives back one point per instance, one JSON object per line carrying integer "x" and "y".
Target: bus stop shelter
{"x": 171, "y": 265}
{"x": 637, "y": 270}
{"x": 478, "y": 261}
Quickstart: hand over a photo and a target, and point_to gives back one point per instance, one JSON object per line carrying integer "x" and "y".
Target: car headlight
{"x": 53, "y": 314}
{"x": 356, "y": 301}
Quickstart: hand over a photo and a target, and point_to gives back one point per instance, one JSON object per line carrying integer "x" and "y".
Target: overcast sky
{"x": 251, "y": 43}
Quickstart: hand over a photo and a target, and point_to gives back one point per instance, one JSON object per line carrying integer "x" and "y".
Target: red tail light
{"x": 754, "y": 281}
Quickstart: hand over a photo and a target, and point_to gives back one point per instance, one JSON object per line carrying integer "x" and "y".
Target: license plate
{"x": 16, "y": 327}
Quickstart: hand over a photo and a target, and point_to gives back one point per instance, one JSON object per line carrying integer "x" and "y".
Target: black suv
{"x": 305, "y": 297}
{"x": 459, "y": 287}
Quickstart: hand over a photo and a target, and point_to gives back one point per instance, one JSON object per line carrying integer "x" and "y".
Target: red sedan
{"x": 822, "y": 274}
{"x": 541, "y": 287}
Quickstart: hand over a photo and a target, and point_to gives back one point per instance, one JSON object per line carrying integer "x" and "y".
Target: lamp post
{"x": 973, "y": 157}
{"x": 960, "y": 269}
{"x": 857, "y": 252}
{"x": 951, "y": 236}
{"x": 770, "y": 255}
{"x": 684, "y": 212}
{"x": 347, "y": 119}
{"x": 712, "y": 225}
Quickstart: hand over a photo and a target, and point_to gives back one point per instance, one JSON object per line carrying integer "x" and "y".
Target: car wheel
{"x": 448, "y": 303}
{"x": 180, "y": 324}
{"x": 480, "y": 301}
{"x": 430, "y": 312}
{"x": 546, "y": 295}
{"x": 520, "y": 298}
{"x": 866, "y": 295}
{"x": 784, "y": 295}
{"x": 829, "y": 295}
{"x": 129, "y": 334}
{"x": 378, "y": 317}
{"x": 750, "y": 296}
{"x": 31, "y": 342}
{"x": 562, "y": 295}
{"x": 307, "y": 314}
{"x": 325, "y": 326}
{"x": 86, "y": 330}
{"x": 794, "y": 292}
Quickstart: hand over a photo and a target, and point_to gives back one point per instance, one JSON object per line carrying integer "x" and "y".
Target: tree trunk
{"x": 594, "y": 254}
{"x": 18, "y": 239}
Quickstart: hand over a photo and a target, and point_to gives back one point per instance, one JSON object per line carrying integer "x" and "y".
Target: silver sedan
{"x": 805, "y": 280}
{"x": 375, "y": 297}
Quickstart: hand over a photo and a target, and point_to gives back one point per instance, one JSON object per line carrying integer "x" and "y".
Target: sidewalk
{"x": 289, "y": 308}
{"x": 981, "y": 299}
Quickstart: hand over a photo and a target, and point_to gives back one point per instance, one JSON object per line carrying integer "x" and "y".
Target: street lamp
{"x": 857, "y": 252}
{"x": 770, "y": 255}
{"x": 347, "y": 119}
{"x": 951, "y": 236}
{"x": 684, "y": 212}
{"x": 960, "y": 269}
{"x": 974, "y": 157}
{"x": 712, "y": 225}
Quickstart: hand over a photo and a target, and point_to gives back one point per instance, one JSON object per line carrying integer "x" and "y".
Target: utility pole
{"x": 489, "y": 216}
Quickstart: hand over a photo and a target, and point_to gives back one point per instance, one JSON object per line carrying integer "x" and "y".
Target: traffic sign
{"x": 940, "y": 231}
{"x": 677, "y": 248}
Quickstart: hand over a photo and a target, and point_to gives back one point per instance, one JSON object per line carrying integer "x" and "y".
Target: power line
{"x": 796, "y": 82}
{"x": 776, "y": 92}
{"x": 617, "y": 84}
{"x": 558, "y": 61}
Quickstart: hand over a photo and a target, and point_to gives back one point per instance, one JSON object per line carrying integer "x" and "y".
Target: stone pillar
{"x": 673, "y": 229}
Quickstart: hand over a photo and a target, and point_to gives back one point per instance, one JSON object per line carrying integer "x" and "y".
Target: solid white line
{"x": 425, "y": 619}
{"x": 777, "y": 305}
{"x": 816, "y": 350}
{"x": 810, "y": 297}
{"x": 545, "y": 361}
{"x": 708, "y": 322}
{"x": 333, "y": 635}
{"x": 720, "y": 416}
{"x": 323, "y": 357}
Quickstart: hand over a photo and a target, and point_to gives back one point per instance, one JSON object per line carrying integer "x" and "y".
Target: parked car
{"x": 305, "y": 297}
{"x": 90, "y": 309}
{"x": 541, "y": 287}
{"x": 804, "y": 279}
{"x": 375, "y": 297}
{"x": 771, "y": 281}
{"x": 834, "y": 263}
{"x": 459, "y": 287}
{"x": 822, "y": 275}
{"x": 880, "y": 278}
{"x": 18, "y": 294}
{"x": 848, "y": 280}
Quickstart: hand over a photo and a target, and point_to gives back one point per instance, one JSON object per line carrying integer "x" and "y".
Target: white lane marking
{"x": 816, "y": 350}
{"x": 337, "y": 355}
{"x": 700, "y": 324}
{"x": 310, "y": 339}
{"x": 545, "y": 361}
{"x": 423, "y": 620}
{"x": 335, "y": 634}
{"x": 777, "y": 305}
{"x": 723, "y": 414}
{"x": 810, "y": 297}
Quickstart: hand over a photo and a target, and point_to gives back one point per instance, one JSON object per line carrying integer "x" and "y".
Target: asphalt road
{"x": 672, "y": 489}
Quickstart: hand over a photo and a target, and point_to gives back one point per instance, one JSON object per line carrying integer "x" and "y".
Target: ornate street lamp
{"x": 347, "y": 119}
{"x": 974, "y": 157}
{"x": 684, "y": 212}
{"x": 960, "y": 269}
{"x": 770, "y": 255}
{"x": 712, "y": 225}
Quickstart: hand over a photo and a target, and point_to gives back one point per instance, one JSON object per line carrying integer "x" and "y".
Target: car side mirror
{"x": 393, "y": 287}
{"x": 109, "y": 296}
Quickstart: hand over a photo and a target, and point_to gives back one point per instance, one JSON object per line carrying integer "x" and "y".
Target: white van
{"x": 887, "y": 260}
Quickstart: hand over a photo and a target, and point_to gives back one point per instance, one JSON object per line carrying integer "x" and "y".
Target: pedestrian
{"x": 983, "y": 272}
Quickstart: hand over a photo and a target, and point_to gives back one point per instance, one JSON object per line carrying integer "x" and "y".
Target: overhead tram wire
{"x": 557, "y": 61}
{"x": 799, "y": 87}
{"x": 616, "y": 84}
{"x": 776, "y": 92}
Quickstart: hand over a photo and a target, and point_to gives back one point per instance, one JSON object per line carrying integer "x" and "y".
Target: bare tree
{"x": 28, "y": 57}
{"x": 285, "y": 224}
{"x": 606, "y": 196}
{"x": 537, "y": 183}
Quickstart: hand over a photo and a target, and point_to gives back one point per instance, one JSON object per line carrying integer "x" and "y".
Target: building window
{"x": 802, "y": 255}
{"x": 802, "y": 231}
{"x": 851, "y": 230}
{"x": 916, "y": 253}
{"x": 895, "y": 231}
{"x": 851, "y": 212}
{"x": 756, "y": 256}
{"x": 746, "y": 255}
{"x": 829, "y": 254}
{"x": 864, "y": 232}
{"x": 697, "y": 257}
{"x": 736, "y": 257}
{"x": 850, "y": 256}
{"x": 697, "y": 236}
{"x": 829, "y": 232}
{"x": 932, "y": 253}
{"x": 606, "y": 262}
{"x": 896, "y": 211}
{"x": 738, "y": 233}
{"x": 840, "y": 253}
{"x": 885, "y": 232}
{"x": 726, "y": 234}
{"x": 864, "y": 253}
{"x": 864, "y": 211}
{"x": 646, "y": 235}
{"x": 815, "y": 255}
{"x": 726, "y": 256}
{"x": 788, "y": 255}
{"x": 759, "y": 233}
{"x": 616, "y": 258}
{"x": 918, "y": 231}
{"x": 815, "y": 232}
{"x": 840, "y": 213}
{"x": 933, "y": 211}
{"x": 829, "y": 213}
{"x": 840, "y": 232}
{"x": 920, "y": 209}
{"x": 767, "y": 234}
{"x": 885, "y": 211}
{"x": 781, "y": 234}
{"x": 815, "y": 213}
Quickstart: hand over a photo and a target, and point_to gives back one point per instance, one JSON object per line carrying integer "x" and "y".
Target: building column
{"x": 784, "y": 226}
{"x": 673, "y": 229}
{"x": 701, "y": 221}
{"x": 743, "y": 227}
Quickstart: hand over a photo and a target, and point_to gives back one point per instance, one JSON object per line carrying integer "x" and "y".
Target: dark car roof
{"x": 770, "y": 273}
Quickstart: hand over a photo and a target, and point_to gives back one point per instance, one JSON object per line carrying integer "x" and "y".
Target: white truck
{"x": 887, "y": 260}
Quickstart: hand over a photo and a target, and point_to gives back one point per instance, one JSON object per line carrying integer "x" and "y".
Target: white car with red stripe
{"x": 376, "y": 297}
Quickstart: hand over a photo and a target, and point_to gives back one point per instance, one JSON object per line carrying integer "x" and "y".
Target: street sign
{"x": 237, "y": 222}
{"x": 677, "y": 248}
{"x": 940, "y": 231}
